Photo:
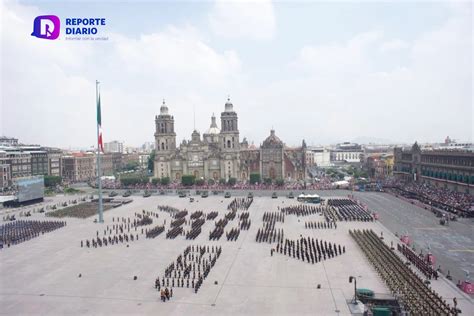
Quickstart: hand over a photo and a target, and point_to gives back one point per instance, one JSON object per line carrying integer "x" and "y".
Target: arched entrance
{"x": 272, "y": 173}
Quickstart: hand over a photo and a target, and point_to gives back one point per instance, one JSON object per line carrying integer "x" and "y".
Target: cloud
{"x": 338, "y": 57}
{"x": 393, "y": 46}
{"x": 243, "y": 19}
{"x": 49, "y": 86}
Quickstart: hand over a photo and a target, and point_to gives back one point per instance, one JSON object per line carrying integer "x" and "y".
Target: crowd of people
{"x": 416, "y": 297}
{"x": 459, "y": 203}
{"x": 189, "y": 270}
{"x": 22, "y": 230}
{"x": 309, "y": 249}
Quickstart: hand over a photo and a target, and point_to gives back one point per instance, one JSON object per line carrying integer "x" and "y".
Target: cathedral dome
{"x": 164, "y": 109}
{"x": 272, "y": 141}
{"x": 213, "y": 129}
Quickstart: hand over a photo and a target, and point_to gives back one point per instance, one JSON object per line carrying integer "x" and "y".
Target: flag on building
{"x": 99, "y": 124}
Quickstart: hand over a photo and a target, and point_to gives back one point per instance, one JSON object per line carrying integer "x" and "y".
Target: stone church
{"x": 219, "y": 154}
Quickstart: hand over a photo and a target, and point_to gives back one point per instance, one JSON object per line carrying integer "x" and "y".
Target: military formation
{"x": 348, "y": 210}
{"x": 22, "y": 230}
{"x": 320, "y": 225}
{"x": 240, "y": 204}
{"x": 418, "y": 261}
{"x": 415, "y": 295}
{"x": 309, "y": 249}
{"x": 189, "y": 270}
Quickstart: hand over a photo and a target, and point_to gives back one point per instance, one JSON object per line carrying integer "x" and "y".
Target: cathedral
{"x": 219, "y": 154}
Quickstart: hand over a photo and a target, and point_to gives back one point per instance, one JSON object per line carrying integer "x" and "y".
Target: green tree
{"x": 267, "y": 181}
{"x": 133, "y": 179}
{"x": 199, "y": 182}
{"x": 279, "y": 182}
{"x": 254, "y": 178}
{"x": 52, "y": 181}
{"x": 155, "y": 181}
{"x": 232, "y": 181}
{"x": 165, "y": 181}
{"x": 132, "y": 165}
{"x": 188, "y": 180}
{"x": 211, "y": 182}
{"x": 151, "y": 161}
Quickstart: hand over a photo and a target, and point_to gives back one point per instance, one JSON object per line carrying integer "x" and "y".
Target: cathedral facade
{"x": 219, "y": 154}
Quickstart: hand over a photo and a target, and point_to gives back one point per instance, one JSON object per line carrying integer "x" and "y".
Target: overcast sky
{"x": 323, "y": 71}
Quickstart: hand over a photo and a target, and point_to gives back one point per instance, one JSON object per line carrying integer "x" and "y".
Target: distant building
{"x": 5, "y": 176}
{"x": 453, "y": 169}
{"x": 54, "y": 162}
{"x": 347, "y": 152}
{"x": 318, "y": 156}
{"x": 379, "y": 166}
{"x": 8, "y": 141}
{"x": 20, "y": 163}
{"x": 39, "y": 162}
{"x": 113, "y": 147}
{"x": 117, "y": 163}
{"x": 79, "y": 167}
{"x": 106, "y": 164}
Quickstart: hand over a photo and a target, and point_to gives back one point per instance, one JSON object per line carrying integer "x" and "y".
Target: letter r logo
{"x": 46, "y": 27}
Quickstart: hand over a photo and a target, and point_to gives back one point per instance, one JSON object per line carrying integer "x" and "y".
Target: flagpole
{"x": 101, "y": 208}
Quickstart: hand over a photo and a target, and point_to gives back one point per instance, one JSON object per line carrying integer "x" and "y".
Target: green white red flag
{"x": 99, "y": 124}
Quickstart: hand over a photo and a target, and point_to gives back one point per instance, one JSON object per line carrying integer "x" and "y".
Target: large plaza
{"x": 41, "y": 276}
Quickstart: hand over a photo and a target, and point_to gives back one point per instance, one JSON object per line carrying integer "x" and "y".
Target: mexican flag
{"x": 99, "y": 124}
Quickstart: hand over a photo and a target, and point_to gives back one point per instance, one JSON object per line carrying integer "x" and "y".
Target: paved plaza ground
{"x": 40, "y": 276}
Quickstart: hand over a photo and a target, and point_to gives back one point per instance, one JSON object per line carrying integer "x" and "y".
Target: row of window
{"x": 449, "y": 160}
{"x": 448, "y": 176}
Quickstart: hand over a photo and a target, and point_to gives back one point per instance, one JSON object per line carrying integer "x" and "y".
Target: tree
{"x": 267, "y": 181}
{"x": 155, "y": 181}
{"x": 151, "y": 161}
{"x": 232, "y": 181}
{"x": 199, "y": 182}
{"x": 132, "y": 165}
{"x": 165, "y": 181}
{"x": 52, "y": 181}
{"x": 222, "y": 181}
{"x": 279, "y": 182}
{"x": 211, "y": 182}
{"x": 254, "y": 178}
{"x": 188, "y": 180}
{"x": 133, "y": 179}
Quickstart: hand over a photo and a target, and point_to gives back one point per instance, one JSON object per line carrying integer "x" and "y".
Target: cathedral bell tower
{"x": 165, "y": 141}
{"x": 229, "y": 142}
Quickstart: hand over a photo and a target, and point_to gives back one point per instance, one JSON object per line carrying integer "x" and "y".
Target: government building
{"x": 219, "y": 153}
{"x": 444, "y": 168}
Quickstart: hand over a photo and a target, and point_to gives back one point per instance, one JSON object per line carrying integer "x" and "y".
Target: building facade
{"x": 219, "y": 154}
{"x": 318, "y": 156}
{"x": 113, "y": 147}
{"x": 39, "y": 163}
{"x": 452, "y": 169}
{"x": 347, "y": 152}
{"x": 79, "y": 167}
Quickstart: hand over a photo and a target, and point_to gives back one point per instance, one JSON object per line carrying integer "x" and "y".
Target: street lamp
{"x": 355, "y": 288}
